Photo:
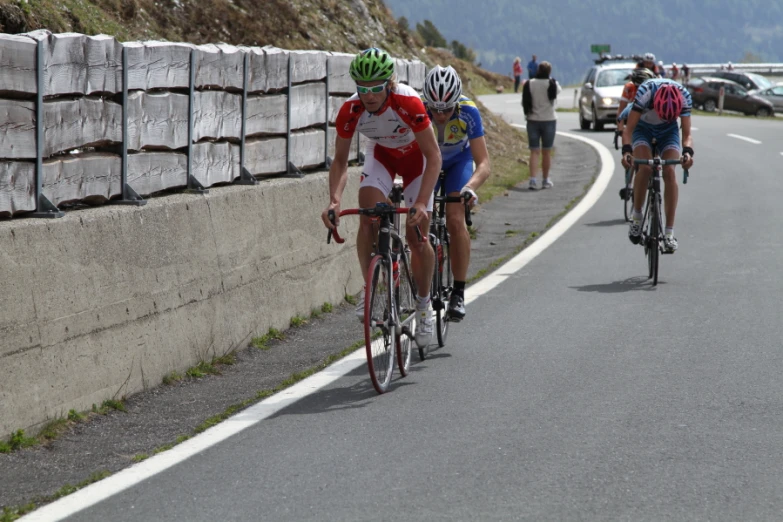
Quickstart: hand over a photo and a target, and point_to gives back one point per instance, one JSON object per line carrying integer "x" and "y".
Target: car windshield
{"x": 612, "y": 77}
{"x": 759, "y": 80}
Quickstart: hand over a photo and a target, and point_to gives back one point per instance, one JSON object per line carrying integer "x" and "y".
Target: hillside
{"x": 561, "y": 31}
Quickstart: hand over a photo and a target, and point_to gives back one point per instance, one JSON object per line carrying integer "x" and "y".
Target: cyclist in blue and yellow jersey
{"x": 658, "y": 104}
{"x": 457, "y": 123}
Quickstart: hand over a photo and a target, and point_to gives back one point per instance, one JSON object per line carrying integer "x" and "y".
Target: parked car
{"x": 600, "y": 94}
{"x": 705, "y": 91}
{"x": 748, "y": 80}
{"x": 774, "y": 95}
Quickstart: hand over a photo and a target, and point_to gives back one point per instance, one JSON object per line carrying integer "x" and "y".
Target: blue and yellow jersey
{"x": 465, "y": 124}
{"x": 645, "y": 94}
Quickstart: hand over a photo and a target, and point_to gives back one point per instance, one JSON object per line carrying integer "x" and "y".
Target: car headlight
{"x": 607, "y": 101}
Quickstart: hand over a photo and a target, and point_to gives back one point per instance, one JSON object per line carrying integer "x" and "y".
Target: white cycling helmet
{"x": 442, "y": 87}
{"x": 649, "y": 57}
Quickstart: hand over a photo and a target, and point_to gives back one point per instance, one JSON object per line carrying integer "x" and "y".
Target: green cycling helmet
{"x": 371, "y": 65}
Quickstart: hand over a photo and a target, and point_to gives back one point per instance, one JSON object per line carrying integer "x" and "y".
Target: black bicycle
{"x": 652, "y": 221}
{"x": 442, "y": 278}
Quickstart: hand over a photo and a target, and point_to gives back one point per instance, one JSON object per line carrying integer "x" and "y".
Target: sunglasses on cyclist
{"x": 374, "y": 90}
{"x": 443, "y": 111}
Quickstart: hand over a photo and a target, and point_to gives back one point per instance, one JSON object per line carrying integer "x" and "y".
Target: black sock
{"x": 459, "y": 288}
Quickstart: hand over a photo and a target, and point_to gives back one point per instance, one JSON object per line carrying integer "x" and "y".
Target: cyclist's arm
{"x": 429, "y": 147}
{"x": 630, "y": 125}
{"x": 478, "y": 147}
{"x": 687, "y": 139}
{"x": 620, "y": 109}
{"x": 338, "y": 177}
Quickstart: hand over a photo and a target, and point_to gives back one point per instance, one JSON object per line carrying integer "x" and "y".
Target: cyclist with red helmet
{"x": 658, "y": 104}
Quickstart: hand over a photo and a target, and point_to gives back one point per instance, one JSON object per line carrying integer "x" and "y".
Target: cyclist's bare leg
{"x": 368, "y": 234}
{"x": 641, "y": 178}
{"x": 459, "y": 245}
{"x": 422, "y": 257}
{"x": 671, "y": 194}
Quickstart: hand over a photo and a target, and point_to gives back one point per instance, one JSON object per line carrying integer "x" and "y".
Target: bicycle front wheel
{"x": 405, "y": 293}
{"x": 446, "y": 285}
{"x": 379, "y": 330}
{"x": 653, "y": 249}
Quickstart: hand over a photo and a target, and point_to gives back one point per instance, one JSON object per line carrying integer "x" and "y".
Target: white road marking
{"x": 137, "y": 473}
{"x": 523, "y": 258}
{"x": 694, "y": 128}
{"x": 744, "y": 138}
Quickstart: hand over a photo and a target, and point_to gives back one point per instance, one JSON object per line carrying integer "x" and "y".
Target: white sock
{"x": 422, "y": 302}
{"x": 669, "y": 231}
{"x": 637, "y": 215}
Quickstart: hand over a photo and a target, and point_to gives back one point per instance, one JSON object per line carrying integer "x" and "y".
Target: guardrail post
{"x": 245, "y": 177}
{"x": 291, "y": 170}
{"x": 129, "y": 196}
{"x": 193, "y": 184}
{"x": 721, "y": 94}
{"x": 327, "y": 158}
{"x": 43, "y": 207}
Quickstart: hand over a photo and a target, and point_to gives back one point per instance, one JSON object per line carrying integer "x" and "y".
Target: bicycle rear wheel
{"x": 445, "y": 286}
{"x": 405, "y": 290}
{"x": 379, "y": 331}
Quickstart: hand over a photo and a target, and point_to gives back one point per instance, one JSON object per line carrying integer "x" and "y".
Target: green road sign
{"x": 600, "y": 48}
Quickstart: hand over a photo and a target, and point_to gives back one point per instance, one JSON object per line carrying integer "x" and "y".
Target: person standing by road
{"x": 686, "y": 73}
{"x": 538, "y": 101}
{"x": 532, "y": 67}
{"x": 517, "y": 73}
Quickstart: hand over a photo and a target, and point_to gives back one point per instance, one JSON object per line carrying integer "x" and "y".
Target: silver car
{"x": 774, "y": 95}
{"x": 600, "y": 94}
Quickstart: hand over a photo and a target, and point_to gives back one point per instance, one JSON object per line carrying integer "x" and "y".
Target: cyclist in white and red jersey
{"x": 401, "y": 142}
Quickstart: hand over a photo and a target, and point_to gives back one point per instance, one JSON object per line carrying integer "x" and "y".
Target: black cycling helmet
{"x": 641, "y": 75}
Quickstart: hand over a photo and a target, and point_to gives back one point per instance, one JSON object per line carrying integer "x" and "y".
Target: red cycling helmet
{"x": 668, "y": 102}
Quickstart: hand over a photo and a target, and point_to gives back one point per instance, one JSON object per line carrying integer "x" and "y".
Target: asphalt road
{"x": 581, "y": 392}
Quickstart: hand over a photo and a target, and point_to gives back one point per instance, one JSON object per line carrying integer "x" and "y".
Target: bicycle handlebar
{"x": 657, "y": 161}
{"x": 463, "y": 198}
{"x": 374, "y": 212}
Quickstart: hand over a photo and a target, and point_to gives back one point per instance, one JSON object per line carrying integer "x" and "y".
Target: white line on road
{"x": 137, "y": 473}
{"x": 744, "y": 138}
{"x": 523, "y": 258}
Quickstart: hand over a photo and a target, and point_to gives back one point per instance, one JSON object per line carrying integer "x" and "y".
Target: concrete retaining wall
{"x": 104, "y": 302}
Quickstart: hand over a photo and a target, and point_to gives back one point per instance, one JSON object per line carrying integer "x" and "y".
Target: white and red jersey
{"x": 392, "y": 127}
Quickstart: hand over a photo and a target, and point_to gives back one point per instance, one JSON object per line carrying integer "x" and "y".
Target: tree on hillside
{"x": 462, "y": 52}
{"x": 431, "y": 35}
{"x": 750, "y": 58}
{"x": 403, "y": 23}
